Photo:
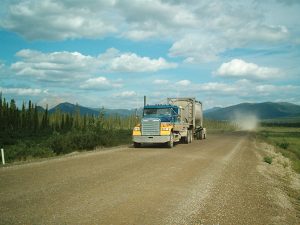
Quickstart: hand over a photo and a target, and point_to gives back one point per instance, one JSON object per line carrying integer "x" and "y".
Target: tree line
{"x": 13, "y": 120}
{"x": 32, "y": 119}
{"x": 32, "y": 131}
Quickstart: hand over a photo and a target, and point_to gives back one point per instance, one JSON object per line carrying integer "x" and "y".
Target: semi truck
{"x": 180, "y": 120}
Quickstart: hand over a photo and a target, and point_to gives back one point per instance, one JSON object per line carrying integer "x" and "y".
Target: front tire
{"x": 170, "y": 143}
{"x": 137, "y": 145}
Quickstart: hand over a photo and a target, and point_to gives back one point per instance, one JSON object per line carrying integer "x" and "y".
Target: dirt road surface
{"x": 214, "y": 181}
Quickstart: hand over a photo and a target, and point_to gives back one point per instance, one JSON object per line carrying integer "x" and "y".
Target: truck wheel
{"x": 186, "y": 139}
{"x": 204, "y": 136}
{"x": 171, "y": 142}
{"x": 198, "y": 135}
{"x": 137, "y": 145}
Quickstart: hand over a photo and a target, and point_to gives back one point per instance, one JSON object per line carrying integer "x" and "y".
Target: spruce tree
{"x": 23, "y": 117}
{"x": 35, "y": 119}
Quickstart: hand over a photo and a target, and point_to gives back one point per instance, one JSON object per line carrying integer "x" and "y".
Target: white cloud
{"x": 58, "y": 20}
{"x": 245, "y": 89}
{"x": 158, "y": 81}
{"x": 262, "y": 33}
{"x": 74, "y": 66}
{"x": 100, "y": 83}
{"x": 199, "y": 31}
{"x": 230, "y": 93}
{"x": 217, "y": 87}
{"x": 206, "y": 46}
{"x": 151, "y": 19}
{"x": 197, "y": 48}
{"x": 223, "y": 26}
{"x": 113, "y": 60}
{"x": 239, "y": 68}
{"x": 138, "y": 19}
{"x": 240, "y": 90}
{"x": 270, "y": 89}
{"x": 21, "y": 91}
{"x": 139, "y": 35}
{"x": 55, "y": 66}
{"x": 183, "y": 83}
{"x": 126, "y": 94}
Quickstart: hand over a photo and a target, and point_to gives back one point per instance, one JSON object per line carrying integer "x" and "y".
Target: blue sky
{"x": 113, "y": 52}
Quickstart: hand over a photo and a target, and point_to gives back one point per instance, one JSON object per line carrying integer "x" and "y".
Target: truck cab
{"x": 156, "y": 125}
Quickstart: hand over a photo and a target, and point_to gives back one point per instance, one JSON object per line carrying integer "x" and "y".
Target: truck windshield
{"x": 166, "y": 111}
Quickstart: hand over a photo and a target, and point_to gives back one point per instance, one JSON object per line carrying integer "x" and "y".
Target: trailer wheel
{"x": 137, "y": 145}
{"x": 190, "y": 136}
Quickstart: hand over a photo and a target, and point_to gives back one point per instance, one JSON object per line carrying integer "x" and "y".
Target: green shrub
{"x": 87, "y": 140}
{"x": 58, "y": 144}
{"x": 65, "y": 142}
{"x": 268, "y": 159}
{"x": 22, "y": 151}
{"x": 284, "y": 144}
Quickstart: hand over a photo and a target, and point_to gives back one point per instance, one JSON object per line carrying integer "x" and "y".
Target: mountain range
{"x": 67, "y": 107}
{"x": 265, "y": 110}
{"x": 262, "y": 111}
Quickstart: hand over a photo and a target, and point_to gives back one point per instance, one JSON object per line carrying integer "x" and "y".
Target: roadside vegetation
{"x": 34, "y": 133}
{"x": 285, "y": 136}
{"x": 217, "y": 126}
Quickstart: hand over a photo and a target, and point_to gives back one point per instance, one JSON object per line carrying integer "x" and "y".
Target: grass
{"x": 287, "y": 141}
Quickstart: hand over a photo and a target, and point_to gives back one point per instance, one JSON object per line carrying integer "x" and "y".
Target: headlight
{"x": 165, "y": 128}
{"x": 136, "y": 128}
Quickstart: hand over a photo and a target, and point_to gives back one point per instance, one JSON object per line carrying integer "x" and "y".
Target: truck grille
{"x": 150, "y": 127}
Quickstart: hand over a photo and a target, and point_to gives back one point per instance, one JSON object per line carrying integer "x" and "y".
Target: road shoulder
{"x": 248, "y": 193}
{"x": 285, "y": 182}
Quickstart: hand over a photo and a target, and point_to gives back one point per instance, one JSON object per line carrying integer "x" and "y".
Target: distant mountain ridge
{"x": 67, "y": 107}
{"x": 212, "y": 109}
{"x": 265, "y": 110}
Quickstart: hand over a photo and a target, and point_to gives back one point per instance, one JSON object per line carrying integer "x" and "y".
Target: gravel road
{"x": 212, "y": 181}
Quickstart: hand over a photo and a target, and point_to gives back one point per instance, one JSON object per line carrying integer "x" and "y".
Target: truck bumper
{"x": 151, "y": 139}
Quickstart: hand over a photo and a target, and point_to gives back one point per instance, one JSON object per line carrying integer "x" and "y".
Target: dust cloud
{"x": 245, "y": 121}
